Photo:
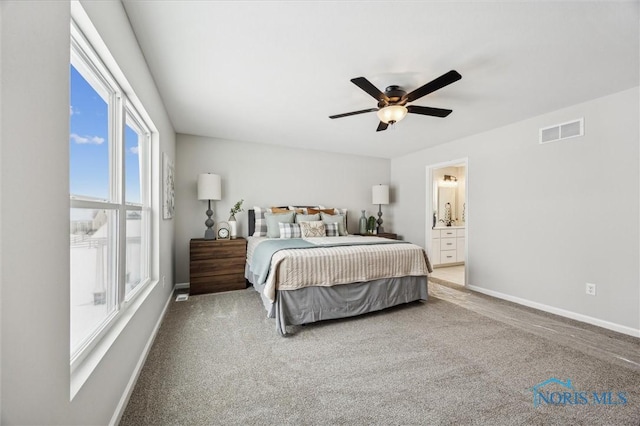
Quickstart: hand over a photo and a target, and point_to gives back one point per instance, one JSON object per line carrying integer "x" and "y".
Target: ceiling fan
{"x": 392, "y": 104}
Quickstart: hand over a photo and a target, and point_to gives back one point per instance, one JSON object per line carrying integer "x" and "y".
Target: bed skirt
{"x": 311, "y": 304}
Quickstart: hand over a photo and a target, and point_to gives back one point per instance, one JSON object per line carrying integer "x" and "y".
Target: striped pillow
{"x": 331, "y": 229}
{"x": 290, "y": 230}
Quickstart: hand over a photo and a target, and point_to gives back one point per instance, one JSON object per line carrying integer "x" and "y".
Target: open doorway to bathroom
{"x": 448, "y": 220}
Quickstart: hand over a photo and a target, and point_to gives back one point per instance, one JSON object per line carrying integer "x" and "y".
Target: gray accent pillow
{"x": 290, "y": 230}
{"x": 260, "y": 222}
{"x": 331, "y": 229}
{"x": 307, "y": 217}
{"x": 273, "y": 219}
{"x": 339, "y": 218}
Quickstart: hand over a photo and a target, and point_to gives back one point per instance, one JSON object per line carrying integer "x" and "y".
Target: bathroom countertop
{"x": 450, "y": 227}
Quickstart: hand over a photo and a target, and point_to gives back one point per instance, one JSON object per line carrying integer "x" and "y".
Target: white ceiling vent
{"x": 567, "y": 130}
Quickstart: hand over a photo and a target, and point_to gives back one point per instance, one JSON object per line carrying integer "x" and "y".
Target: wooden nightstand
{"x": 217, "y": 265}
{"x": 388, "y": 235}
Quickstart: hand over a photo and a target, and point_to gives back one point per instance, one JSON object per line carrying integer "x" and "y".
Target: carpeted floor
{"x": 460, "y": 358}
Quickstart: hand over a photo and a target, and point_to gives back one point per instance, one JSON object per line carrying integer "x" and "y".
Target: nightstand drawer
{"x": 217, "y": 283}
{"x": 216, "y": 249}
{"x": 448, "y": 244}
{"x": 219, "y": 267}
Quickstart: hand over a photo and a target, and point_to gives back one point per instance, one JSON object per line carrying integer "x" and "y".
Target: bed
{"x": 304, "y": 280}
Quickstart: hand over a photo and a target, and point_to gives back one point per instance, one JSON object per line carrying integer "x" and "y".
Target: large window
{"x": 109, "y": 186}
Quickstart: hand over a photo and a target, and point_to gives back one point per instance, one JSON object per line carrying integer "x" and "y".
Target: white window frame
{"x": 87, "y": 61}
{"x": 144, "y": 207}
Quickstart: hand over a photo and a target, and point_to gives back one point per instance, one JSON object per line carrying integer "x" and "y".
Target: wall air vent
{"x": 558, "y": 132}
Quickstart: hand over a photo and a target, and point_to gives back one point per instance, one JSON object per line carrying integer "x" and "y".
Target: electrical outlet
{"x": 591, "y": 289}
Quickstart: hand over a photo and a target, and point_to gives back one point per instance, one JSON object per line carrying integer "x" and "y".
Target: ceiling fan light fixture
{"x": 392, "y": 113}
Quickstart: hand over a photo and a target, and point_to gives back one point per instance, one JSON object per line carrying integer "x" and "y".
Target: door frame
{"x": 430, "y": 194}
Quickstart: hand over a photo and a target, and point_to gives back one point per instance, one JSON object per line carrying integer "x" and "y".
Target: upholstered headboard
{"x": 252, "y": 218}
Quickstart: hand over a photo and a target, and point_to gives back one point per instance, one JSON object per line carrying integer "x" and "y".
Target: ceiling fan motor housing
{"x": 396, "y": 95}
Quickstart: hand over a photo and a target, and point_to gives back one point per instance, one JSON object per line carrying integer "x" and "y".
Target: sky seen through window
{"x": 89, "y": 145}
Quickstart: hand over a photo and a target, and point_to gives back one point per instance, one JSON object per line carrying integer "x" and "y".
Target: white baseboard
{"x": 182, "y": 286}
{"x": 124, "y": 400}
{"x": 561, "y": 312}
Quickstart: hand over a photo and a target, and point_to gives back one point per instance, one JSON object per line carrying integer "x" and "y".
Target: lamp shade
{"x": 380, "y": 194}
{"x": 209, "y": 187}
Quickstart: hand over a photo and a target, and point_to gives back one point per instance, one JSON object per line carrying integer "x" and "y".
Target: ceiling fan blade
{"x": 440, "y": 82}
{"x": 435, "y": 112}
{"x": 346, "y": 114}
{"x": 368, "y": 87}
{"x": 382, "y": 126}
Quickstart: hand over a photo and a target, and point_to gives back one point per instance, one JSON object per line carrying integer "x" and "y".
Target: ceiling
{"x": 272, "y": 72}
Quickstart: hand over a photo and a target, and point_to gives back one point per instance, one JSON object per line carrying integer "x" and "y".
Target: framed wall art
{"x": 168, "y": 187}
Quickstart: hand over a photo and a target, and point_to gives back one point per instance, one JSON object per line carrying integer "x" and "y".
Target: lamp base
{"x": 379, "y": 229}
{"x": 209, "y": 234}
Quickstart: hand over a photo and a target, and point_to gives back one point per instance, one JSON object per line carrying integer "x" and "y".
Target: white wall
{"x": 34, "y": 280}
{"x": 267, "y": 175}
{"x": 545, "y": 219}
